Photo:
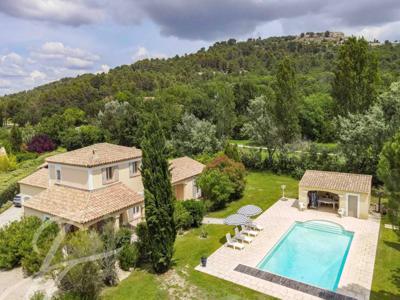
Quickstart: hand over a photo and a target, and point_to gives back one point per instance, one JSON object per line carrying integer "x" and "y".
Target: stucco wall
{"x": 30, "y": 190}
{"x": 184, "y": 189}
{"x": 70, "y": 175}
{"x": 28, "y": 212}
{"x": 363, "y": 204}
{"x": 134, "y": 182}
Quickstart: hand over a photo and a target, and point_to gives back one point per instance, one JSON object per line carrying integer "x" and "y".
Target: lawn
{"x": 386, "y": 282}
{"x": 262, "y": 189}
{"x": 183, "y": 281}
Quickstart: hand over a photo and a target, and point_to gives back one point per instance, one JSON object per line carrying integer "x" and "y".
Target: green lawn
{"x": 386, "y": 282}
{"x": 262, "y": 189}
{"x": 183, "y": 281}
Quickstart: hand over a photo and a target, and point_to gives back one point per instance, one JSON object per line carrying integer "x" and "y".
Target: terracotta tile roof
{"x": 95, "y": 155}
{"x": 83, "y": 206}
{"x": 347, "y": 182}
{"x": 40, "y": 178}
{"x": 185, "y": 167}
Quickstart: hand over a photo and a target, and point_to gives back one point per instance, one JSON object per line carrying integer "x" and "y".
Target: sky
{"x": 45, "y": 40}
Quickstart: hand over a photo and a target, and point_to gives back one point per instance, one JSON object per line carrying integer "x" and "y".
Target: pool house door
{"x": 353, "y": 205}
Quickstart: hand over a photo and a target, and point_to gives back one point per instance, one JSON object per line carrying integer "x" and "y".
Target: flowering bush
{"x": 41, "y": 143}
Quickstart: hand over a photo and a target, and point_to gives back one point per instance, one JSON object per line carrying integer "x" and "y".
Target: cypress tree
{"x": 354, "y": 87}
{"x": 158, "y": 197}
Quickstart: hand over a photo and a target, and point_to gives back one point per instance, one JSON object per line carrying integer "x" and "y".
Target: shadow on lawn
{"x": 394, "y": 245}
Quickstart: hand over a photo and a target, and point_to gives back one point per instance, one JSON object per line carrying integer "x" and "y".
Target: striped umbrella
{"x": 236, "y": 219}
{"x": 249, "y": 210}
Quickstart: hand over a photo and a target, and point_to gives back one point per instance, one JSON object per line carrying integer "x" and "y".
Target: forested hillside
{"x": 275, "y": 92}
{"x": 191, "y": 80}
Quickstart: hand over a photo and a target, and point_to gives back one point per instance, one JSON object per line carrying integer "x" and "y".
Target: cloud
{"x": 67, "y": 12}
{"x": 49, "y": 62}
{"x": 143, "y": 53}
{"x": 103, "y": 69}
{"x": 71, "y": 58}
{"x": 210, "y": 19}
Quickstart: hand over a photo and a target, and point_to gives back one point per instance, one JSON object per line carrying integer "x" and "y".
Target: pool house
{"x": 345, "y": 193}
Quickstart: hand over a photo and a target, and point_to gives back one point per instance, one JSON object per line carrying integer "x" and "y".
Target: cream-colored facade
{"x": 97, "y": 177}
{"x": 30, "y": 190}
{"x": 351, "y": 192}
{"x": 363, "y": 199}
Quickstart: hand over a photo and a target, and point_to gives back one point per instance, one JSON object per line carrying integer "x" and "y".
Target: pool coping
{"x": 290, "y": 283}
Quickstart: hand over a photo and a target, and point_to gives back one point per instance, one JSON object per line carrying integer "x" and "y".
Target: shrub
{"x": 41, "y": 143}
{"x": 196, "y": 209}
{"x": 182, "y": 217}
{"x": 123, "y": 237}
{"x": 38, "y": 295}
{"x": 142, "y": 242}
{"x": 234, "y": 170}
{"x": 22, "y": 156}
{"x": 128, "y": 257}
{"x": 216, "y": 187}
{"x": 85, "y": 279}
{"x": 16, "y": 247}
{"x": 7, "y": 163}
{"x": 252, "y": 159}
{"x": 231, "y": 150}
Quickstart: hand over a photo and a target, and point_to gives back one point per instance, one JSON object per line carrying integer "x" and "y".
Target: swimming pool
{"x": 313, "y": 252}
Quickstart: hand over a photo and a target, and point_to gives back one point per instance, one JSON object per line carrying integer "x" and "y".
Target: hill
{"x": 228, "y": 62}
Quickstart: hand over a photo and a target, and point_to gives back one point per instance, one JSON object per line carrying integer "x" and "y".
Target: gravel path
{"x": 11, "y": 214}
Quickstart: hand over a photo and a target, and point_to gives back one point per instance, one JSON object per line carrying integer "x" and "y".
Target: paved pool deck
{"x": 357, "y": 274}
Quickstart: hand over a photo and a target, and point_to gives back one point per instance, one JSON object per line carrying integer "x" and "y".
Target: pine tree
{"x": 159, "y": 201}
{"x": 16, "y": 138}
{"x": 356, "y": 77}
{"x": 287, "y": 102}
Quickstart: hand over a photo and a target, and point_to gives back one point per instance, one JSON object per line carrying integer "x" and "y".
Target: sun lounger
{"x": 256, "y": 226}
{"x": 248, "y": 231}
{"x": 233, "y": 243}
{"x": 241, "y": 237}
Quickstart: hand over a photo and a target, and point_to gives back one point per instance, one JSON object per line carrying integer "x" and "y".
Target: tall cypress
{"x": 158, "y": 197}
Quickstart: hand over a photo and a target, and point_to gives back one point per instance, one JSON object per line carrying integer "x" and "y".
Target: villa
{"x": 88, "y": 186}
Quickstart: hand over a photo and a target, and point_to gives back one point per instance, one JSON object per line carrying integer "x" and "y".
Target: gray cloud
{"x": 210, "y": 19}
{"x": 67, "y": 12}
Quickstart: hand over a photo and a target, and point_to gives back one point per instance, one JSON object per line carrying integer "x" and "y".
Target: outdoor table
{"x": 327, "y": 201}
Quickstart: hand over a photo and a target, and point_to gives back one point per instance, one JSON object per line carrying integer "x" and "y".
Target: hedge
{"x": 9, "y": 180}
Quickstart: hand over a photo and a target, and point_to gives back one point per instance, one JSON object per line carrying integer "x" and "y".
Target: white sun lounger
{"x": 233, "y": 243}
{"x": 241, "y": 237}
{"x": 256, "y": 226}
{"x": 248, "y": 231}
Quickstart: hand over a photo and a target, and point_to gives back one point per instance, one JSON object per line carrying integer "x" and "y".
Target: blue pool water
{"x": 313, "y": 252}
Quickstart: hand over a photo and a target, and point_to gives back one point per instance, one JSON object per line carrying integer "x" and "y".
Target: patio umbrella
{"x": 236, "y": 219}
{"x": 249, "y": 210}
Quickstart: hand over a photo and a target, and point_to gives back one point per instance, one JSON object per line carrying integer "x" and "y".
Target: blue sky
{"x": 45, "y": 40}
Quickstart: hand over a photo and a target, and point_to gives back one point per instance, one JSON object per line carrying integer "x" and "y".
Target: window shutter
{"x": 103, "y": 174}
{"x": 116, "y": 173}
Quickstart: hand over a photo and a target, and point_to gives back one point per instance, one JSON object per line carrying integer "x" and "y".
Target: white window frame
{"x": 131, "y": 171}
{"x": 358, "y": 204}
{"x": 109, "y": 171}
{"x": 196, "y": 190}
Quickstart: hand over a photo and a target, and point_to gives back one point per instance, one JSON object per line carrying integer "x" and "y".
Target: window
{"x": 58, "y": 175}
{"x": 133, "y": 168}
{"x": 109, "y": 173}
